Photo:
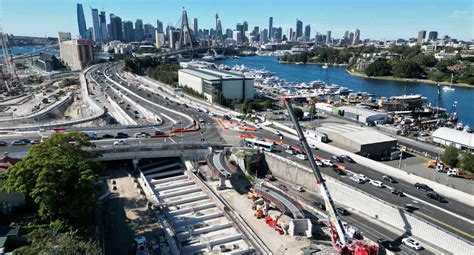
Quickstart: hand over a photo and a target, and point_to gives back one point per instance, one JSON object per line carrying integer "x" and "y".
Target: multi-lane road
{"x": 178, "y": 112}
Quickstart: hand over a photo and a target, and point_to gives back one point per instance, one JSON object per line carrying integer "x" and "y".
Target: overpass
{"x": 186, "y": 50}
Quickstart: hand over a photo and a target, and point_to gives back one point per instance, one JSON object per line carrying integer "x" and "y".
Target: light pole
{"x": 400, "y": 161}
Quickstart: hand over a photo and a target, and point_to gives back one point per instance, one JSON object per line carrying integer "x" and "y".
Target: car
{"x": 389, "y": 178}
{"x": 3, "y": 143}
{"x": 257, "y": 126}
{"x": 354, "y": 178}
{"x": 35, "y": 141}
{"x": 17, "y": 143}
{"x": 376, "y": 183}
{"x": 410, "y": 208}
{"x": 291, "y": 152}
{"x": 140, "y": 245}
{"x": 452, "y": 172}
{"x": 362, "y": 177}
{"x": 387, "y": 244}
{"x": 201, "y": 120}
{"x": 107, "y": 136}
{"x": 302, "y": 157}
{"x": 297, "y": 188}
{"x": 120, "y": 142}
{"x": 327, "y": 162}
{"x": 26, "y": 141}
{"x": 282, "y": 187}
{"x": 347, "y": 158}
{"x": 276, "y": 132}
{"x": 212, "y": 114}
{"x": 270, "y": 177}
{"x": 436, "y": 196}
{"x": 397, "y": 192}
{"x": 178, "y": 122}
{"x": 139, "y": 135}
{"x": 338, "y": 159}
{"x": 319, "y": 205}
{"x": 338, "y": 171}
{"x": 342, "y": 211}
{"x": 412, "y": 243}
{"x": 121, "y": 135}
{"x": 422, "y": 186}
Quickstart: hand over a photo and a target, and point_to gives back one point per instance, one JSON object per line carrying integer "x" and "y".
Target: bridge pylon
{"x": 186, "y": 36}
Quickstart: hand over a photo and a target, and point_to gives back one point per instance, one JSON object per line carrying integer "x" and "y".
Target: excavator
{"x": 341, "y": 240}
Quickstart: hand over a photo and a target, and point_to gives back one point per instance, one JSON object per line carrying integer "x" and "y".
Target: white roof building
{"x": 456, "y": 138}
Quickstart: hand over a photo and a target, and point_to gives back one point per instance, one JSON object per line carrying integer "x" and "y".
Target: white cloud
{"x": 458, "y": 14}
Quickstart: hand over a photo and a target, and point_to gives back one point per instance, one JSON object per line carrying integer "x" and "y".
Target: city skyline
{"x": 455, "y": 22}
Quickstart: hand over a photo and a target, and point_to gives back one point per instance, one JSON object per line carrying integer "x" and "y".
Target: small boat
{"x": 325, "y": 66}
{"x": 450, "y": 87}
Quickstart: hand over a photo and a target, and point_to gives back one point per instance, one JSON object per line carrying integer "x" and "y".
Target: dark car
{"x": 338, "y": 159}
{"x": 283, "y": 187}
{"x": 107, "y": 136}
{"x": 319, "y": 205}
{"x": 435, "y": 196}
{"x": 158, "y": 132}
{"x": 424, "y": 187}
{"x": 410, "y": 208}
{"x": 338, "y": 171}
{"x": 397, "y": 192}
{"x": 387, "y": 244}
{"x": 121, "y": 135}
{"x": 349, "y": 159}
{"x": 3, "y": 143}
{"x": 389, "y": 178}
{"x": 342, "y": 211}
{"x": 26, "y": 141}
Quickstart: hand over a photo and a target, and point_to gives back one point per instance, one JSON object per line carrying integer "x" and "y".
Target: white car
{"x": 302, "y": 157}
{"x": 120, "y": 142}
{"x": 376, "y": 183}
{"x": 412, "y": 243}
{"x": 291, "y": 152}
{"x": 319, "y": 163}
{"x": 139, "y": 135}
{"x": 297, "y": 188}
{"x": 452, "y": 172}
{"x": 362, "y": 177}
{"x": 327, "y": 162}
{"x": 212, "y": 114}
{"x": 354, "y": 178}
{"x": 258, "y": 126}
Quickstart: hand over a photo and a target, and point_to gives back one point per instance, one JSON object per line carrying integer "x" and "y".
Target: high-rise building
{"x": 103, "y": 27}
{"x": 264, "y": 35}
{"x": 149, "y": 33}
{"x": 245, "y": 26}
{"x": 128, "y": 31}
{"x": 270, "y": 28}
{"x": 237, "y": 36}
{"x": 318, "y": 38}
{"x": 307, "y": 32}
{"x": 195, "y": 27}
{"x": 90, "y": 33}
{"x": 81, "y": 22}
{"x": 299, "y": 29}
{"x": 346, "y": 35}
{"x": 277, "y": 33}
{"x": 139, "y": 32}
{"x": 351, "y": 37}
{"x": 96, "y": 36}
{"x": 433, "y": 35}
{"x": 174, "y": 38}
{"x": 228, "y": 33}
{"x": 159, "y": 26}
{"x": 356, "y": 37}
{"x": 256, "y": 30}
{"x": 76, "y": 53}
{"x": 289, "y": 34}
{"x": 160, "y": 39}
{"x": 421, "y": 36}
{"x": 328, "y": 37}
{"x": 115, "y": 28}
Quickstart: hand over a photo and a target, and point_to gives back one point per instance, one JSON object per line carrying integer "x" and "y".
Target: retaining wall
{"x": 369, "y": 205}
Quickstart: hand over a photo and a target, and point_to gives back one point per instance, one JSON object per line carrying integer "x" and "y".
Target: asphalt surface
{"x": 438, "y": 217}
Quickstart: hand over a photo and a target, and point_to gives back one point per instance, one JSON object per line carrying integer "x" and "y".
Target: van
{"x": 297, "y": 188}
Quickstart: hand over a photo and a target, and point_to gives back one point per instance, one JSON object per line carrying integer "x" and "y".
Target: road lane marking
{"x": 445, "y": 224}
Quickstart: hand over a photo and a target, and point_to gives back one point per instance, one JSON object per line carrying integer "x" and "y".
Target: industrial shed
{"x": 456, "y": 138}
{"x": 361, "y": 140}
{"x": 363, "y": 115}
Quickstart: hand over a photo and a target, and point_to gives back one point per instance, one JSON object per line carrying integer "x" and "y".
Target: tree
{"x": 59, "y": 176}
{"x": 426, "y": 60}
{"x": 450, "y": 156}
{"x": 407, "y": 69}
{"x": 378, "y": 68}
{"x": 467, "y": 162}
{"x": 298, "y": 112}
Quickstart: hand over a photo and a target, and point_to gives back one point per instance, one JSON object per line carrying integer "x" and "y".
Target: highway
{"x": 440, "y": 214}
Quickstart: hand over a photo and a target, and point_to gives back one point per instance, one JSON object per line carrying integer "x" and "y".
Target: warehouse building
{"x": 459, "y": 139}
{"x": 361, "y": 140}
{"x": 363, "y": 115}
{"x": 212, "y": 82}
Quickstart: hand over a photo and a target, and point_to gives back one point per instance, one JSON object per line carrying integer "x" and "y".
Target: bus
{"x": 259, "y": 144}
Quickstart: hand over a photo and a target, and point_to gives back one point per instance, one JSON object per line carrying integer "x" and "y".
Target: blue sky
{"x": 377, "y": 19}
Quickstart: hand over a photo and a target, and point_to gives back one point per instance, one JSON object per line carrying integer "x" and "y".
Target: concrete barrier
{"x": 119, "y": 114}
{"x": 369, "y": 205}
{"x": 386, "y": 169}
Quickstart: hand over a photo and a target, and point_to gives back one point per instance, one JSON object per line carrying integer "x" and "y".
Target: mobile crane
{"x": 341, "y": 241}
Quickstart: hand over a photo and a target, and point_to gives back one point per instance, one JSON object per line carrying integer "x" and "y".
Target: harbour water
{"x": 387, "y": 88}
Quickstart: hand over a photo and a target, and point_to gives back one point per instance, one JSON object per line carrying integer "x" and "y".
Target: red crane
{"x": 341, "y": 241}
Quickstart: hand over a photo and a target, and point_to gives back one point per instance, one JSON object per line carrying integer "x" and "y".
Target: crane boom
{"x": 344, "y": 239}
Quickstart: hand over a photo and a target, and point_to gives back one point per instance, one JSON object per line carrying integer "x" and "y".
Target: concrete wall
{"x": 249, "y": 89}
{"x": 190, "y": 81}
{"x": 371, "y": 206}
{"x": 232, "y": 89}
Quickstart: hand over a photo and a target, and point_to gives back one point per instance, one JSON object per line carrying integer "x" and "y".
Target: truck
{"x": 321, "y": 137}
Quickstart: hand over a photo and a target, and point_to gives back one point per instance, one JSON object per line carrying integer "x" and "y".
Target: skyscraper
{"x": 159, "y": 26}
{"x": 245, "y": 26}
{"x": 81, "y": 22}
{"x": 103, "y": 27}
{"x": 346, "y": 35}
{"x": 421, "y": 36}
{"x": 356, "y": 37}
{"x": 95, "y": 22}
{"x": 139, "y": 32}
{"x": 299, "y": 29}
{"x": 195, "y": 27}
{"x": 264, "y": 35}
{"x": 328, "y": 37}
{"x": 149, "y": 32}
{"x": 115, "y": 28}
{"x": 307, "y": 32}
{"x": 270, "y": 28}
{"x": 128, "y": 31}
{"x": 289, "y": 34}
{"x": 351, "y": 37}
{"x": 433, "y": 35}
